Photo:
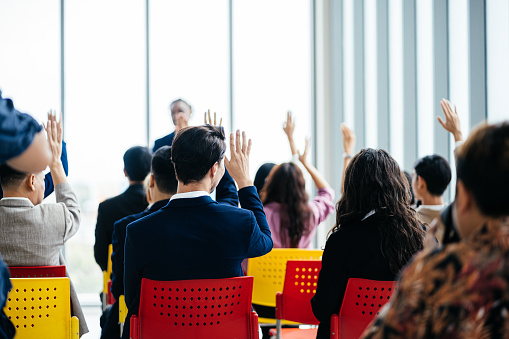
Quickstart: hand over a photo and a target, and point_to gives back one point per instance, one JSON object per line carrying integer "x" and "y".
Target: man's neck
{"x": 432, "y": 200}
{"x": 203, "y": 185}
{"x": 135, "y": 183}
{"x": 14, "y": 194}
{"x": 158, "y": 196}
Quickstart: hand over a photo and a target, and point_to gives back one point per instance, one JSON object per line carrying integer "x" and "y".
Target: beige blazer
{"x": 35, "y": 235}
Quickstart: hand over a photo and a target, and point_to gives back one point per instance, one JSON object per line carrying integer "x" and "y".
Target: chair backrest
{"x": 208, "y": 308}
{"x": 299, "y": 287}
{"x": 269, "y": 272}
{"x": 40, "y": 307}
{"x": 37, "y": 271}
{"x": 361, "y": 303}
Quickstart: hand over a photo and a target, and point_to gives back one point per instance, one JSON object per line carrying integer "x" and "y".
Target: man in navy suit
{"x": 180, "y": 114}
{"x": 194, "y": 237}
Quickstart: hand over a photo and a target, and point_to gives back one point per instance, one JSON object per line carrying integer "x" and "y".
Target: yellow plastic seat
{"x": 269, "y": 274}
{"x": 122, "y": 312}
{"x": 107, "y": 278}
{"x": 41, "y": 308}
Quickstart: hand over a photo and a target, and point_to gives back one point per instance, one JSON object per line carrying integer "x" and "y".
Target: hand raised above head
{"x": 289, "y": 125}
{"x": 238, "y": 164}
{"x": 55, "y": 131}
{"x": 452, "y": 122}
{"x": 209, "y": 122}
{"x": 303, "y": 156}
{"x": 348, "y": 139}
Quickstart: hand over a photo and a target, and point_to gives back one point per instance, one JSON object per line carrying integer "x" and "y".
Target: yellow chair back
{"x": 269, "y": 272}
{"x": 41, "y": 308}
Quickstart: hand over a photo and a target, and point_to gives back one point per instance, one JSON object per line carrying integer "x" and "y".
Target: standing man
{"x": 180, "y": 114}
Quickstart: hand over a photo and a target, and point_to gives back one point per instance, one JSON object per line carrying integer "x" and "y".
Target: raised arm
{"x": 48, "y": 179}
{"x": 452, "y": 122}
{"x": 288, "y": 128}
{"x": 318, "y": 179}
{"x": 349, "y": 147}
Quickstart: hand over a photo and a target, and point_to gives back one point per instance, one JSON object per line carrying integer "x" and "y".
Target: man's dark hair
{"x": 435, "y": 171}
{"x": 137, "y": 163}
{"x": 195, "y": 150}
{"x": 163, "y": 171}
{"x": 483, "y": 167}
{"x": 10, "y": 178}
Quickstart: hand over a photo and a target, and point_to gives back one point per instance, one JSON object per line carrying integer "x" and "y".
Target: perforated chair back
{"x": 300, "y": 286}
{"x": 362, "y": 302}
{"x": 41, "y": 308}
{"x": 269, "y": 272}
{"x": 209, "y": 308}
{"x": 37, "y": 271}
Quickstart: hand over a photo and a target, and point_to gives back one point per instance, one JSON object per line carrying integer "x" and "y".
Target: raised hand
{"x": 303, "y": 156}
{"x": 289, "y": 125}
{"x": 238, "y": 164}
{"x": 348, "y": 139}
{"x": 452, "y": 121}
{"x": 55, "y": 131}
{"x": 209, "y": 122}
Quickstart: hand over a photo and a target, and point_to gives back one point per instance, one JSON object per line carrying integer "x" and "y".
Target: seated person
{"x": 180, "y": 114}
{"x": 31, "y": 233}
{"x": 136, "y": 167}
{"x": 461, "y": 290}
{"x": 206, "y": 239}
{"x": 375, "y": 235}
{"x": 430, "y": 179}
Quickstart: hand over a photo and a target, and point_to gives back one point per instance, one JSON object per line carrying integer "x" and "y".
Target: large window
{"x": 189, "y": 59}
{"x": 105, "y": 112}
{"x": 272, "y": 74}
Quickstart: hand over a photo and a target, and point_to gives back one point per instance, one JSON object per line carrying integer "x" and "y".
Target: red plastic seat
{"x": 37, "y": 271}
{"x": 361, "y": 303}
{"x": 294, "y": 303}
{"x": 207, "y": 308}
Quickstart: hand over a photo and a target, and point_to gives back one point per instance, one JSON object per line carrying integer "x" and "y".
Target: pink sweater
{"x": 321, "y": 206}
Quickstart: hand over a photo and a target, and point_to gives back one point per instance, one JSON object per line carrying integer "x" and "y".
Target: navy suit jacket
{"x": 164, "y": 141}
{"x": 194, "y": 238}
{"x": 132, "y": 201}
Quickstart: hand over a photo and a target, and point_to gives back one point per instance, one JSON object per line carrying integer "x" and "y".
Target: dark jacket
{"x": 132, "y": 201}
{"x": 194, "y": 238}
{"x": 164, "y": 141}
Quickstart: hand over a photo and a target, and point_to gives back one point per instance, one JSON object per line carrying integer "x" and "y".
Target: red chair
{"x": 294, "y": 303}
{"x": 37, "y": 271}
{"x": 362, "y": 302}
{"x": 208, "y": 308}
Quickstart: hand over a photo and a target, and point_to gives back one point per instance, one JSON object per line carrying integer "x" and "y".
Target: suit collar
{"x": 190, "y": 202}
{"x": 16, "y": 203}
{"x": 158, "y": 205}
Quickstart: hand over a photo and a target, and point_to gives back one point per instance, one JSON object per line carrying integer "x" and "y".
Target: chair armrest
{"x": 279, "y": 305}
{"x": 334, "y": 326}
{"x": 111, "y": 298}
{"x": 75, "y": 328}
{"x": 134, "y": 331}
{"x": 122, "y": 309}
{"x": 254, "y": 326}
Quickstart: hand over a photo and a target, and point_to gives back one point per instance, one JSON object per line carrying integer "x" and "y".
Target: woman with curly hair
{"x": 375, "y": 235}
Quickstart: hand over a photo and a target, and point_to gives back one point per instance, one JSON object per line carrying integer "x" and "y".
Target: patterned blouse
{"x": 460, "y": 291}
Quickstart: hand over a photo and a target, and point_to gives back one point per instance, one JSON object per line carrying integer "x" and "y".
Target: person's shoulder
{"x": 129, "y": 219}
{"x": 144, "y": 220}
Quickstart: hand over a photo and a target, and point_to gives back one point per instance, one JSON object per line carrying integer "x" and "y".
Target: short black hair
{"x": 163, "y": 171}
{"x": 195, "y": 150}
{"x": 435, "y": 171}
{"x": 10, "y": 178}
{"x": 137, "y": 163}
{"x": 483, "y": 167}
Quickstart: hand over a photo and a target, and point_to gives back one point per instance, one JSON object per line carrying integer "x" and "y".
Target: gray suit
{"x": 34, "y": 235}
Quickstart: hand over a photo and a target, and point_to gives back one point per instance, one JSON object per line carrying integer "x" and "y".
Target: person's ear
{"x": 125, "y": 173}
{"x": 421, "y": 183}
{"x": 152, "y": 181}
{"x": 30, "y": 182}
{"x": 214, "y": 169}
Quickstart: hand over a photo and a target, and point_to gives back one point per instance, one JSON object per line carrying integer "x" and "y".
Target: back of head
{"x": 137, "y": 163}
{"x": 261, "y": 176}
{"x": 374, "y": 181}
{"x": 163, "y": 171}
{"x": 435, "y": 171}
{"x": 483, "y": 167}
{"x": 195, "y": 150}
{"x": 286, "y": 185}
{"x": 10, "y": 179}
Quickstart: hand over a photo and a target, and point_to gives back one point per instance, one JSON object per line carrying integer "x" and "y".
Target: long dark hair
{"x": 285, "y": 185}
{"x": 374, "y": 181}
